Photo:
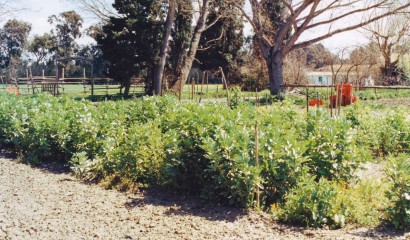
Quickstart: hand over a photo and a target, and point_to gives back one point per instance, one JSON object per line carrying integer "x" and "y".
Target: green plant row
{"x": 206, "y": 149}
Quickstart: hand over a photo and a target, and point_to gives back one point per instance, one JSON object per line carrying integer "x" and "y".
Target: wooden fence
{"x": 83, "y": 85}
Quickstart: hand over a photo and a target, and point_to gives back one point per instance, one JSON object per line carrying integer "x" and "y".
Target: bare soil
{"x": 393, "y": 102}
{"x": 49, "y": 203}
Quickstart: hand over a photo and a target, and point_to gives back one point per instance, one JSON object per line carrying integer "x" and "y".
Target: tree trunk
{"x": 196, "y": 37}
{"x": 275, "y": 63}
{"x": 159, "y": 70}
{"x": 127, "y": 86}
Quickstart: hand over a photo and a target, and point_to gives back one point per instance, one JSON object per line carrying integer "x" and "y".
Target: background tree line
{"x": 161, "y": 41}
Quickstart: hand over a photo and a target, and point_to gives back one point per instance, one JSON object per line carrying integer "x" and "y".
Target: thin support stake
{"x": 257, "y": 161}
{"x": 307, "y": 98}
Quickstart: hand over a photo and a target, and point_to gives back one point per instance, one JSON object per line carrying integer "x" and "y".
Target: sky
{"x": 38, "y": 12}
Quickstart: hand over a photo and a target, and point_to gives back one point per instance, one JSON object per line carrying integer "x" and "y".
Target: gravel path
{"x": 36, "y": 203}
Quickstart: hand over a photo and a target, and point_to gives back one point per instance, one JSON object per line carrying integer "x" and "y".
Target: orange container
{"x": 346, "y": 89}
{"x": 316, "y": 102}
{"x": 13, "y": 90}
{"x": 344, "y": 100}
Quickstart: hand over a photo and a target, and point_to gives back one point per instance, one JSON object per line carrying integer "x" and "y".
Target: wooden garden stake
{"x": 331, "y": 98}
{"x": 207, "y": 81}
{"x": 307, "y": 98}
{"x": 226, "y": 85}
{"x": 266, "y": 100}
{"x": 202, "y": 86}
{"x": 32, "y": 81}
{"x": 257, "y": 97}
{"x": 192, "y": 88}
{"x": 327, "y": 94}
{"x": 257, "y": 161}
{"x": 339, "y": 106}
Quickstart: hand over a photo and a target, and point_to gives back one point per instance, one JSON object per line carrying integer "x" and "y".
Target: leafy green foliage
{"x": 131, "y": 43}
{"x": 312, "y": 203}
{"x": 13, "y": 38}
{"x": 398, "y": 171}
{"x": 330, "y": 148}
{"x": 327, "y": 203}
{"x": 305, "y": 170}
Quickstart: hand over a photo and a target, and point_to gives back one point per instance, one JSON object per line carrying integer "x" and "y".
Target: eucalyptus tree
{"x": 13, "y": 40}
{"x": 41, "y": 47}
{"x": 67, "y": 28}
{"x": 223, "y": 9}
{"x": 163, "y": 53}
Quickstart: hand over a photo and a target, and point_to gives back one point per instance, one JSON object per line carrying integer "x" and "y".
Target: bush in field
{"x": 330, "y": 148}
{"x": 281, "y": 149}
{"x": 398, "y": 171}
{"x": 312, "y": 203}
{"x": 394, "y": 133}
{"x": 384, "y": 133}
{"x": 317, "y": 204}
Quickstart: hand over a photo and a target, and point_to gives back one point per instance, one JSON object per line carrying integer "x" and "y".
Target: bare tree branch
{"x": 349, "y": 28}
{"x": 101, "y": 9}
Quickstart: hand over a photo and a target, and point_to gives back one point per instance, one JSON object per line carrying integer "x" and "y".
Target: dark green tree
{"x": 130, "y": 42}
{"x": 220, "y": 46}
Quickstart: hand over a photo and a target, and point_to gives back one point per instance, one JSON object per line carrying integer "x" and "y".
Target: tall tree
{"x": 13, "y": 39}
{"x": 159, "y": 69}
{"x": 180, "y": 38}
{"x": 67, "y": 28}
{"x": 131, "y": 42}
{"x": 200, "y": 27}
{"x": 391, "y": 35}
{"x": 364, "y": 62}
{"x": 294, "y": 18}
{"x": 43, "y": 50}
{"x": 221, "y": 45}
{"x": 204, "y": 8}
{"x": 41, "y": 47}
{"x": 317, "y": 55}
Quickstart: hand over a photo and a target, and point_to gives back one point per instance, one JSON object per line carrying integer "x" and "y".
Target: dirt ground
{"x": 45, "y": 203}
{"x": 393, "y": 102}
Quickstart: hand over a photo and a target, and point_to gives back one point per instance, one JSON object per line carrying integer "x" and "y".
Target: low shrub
{"x": 313, "y": 203}
{"x": 398, "y": 171}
